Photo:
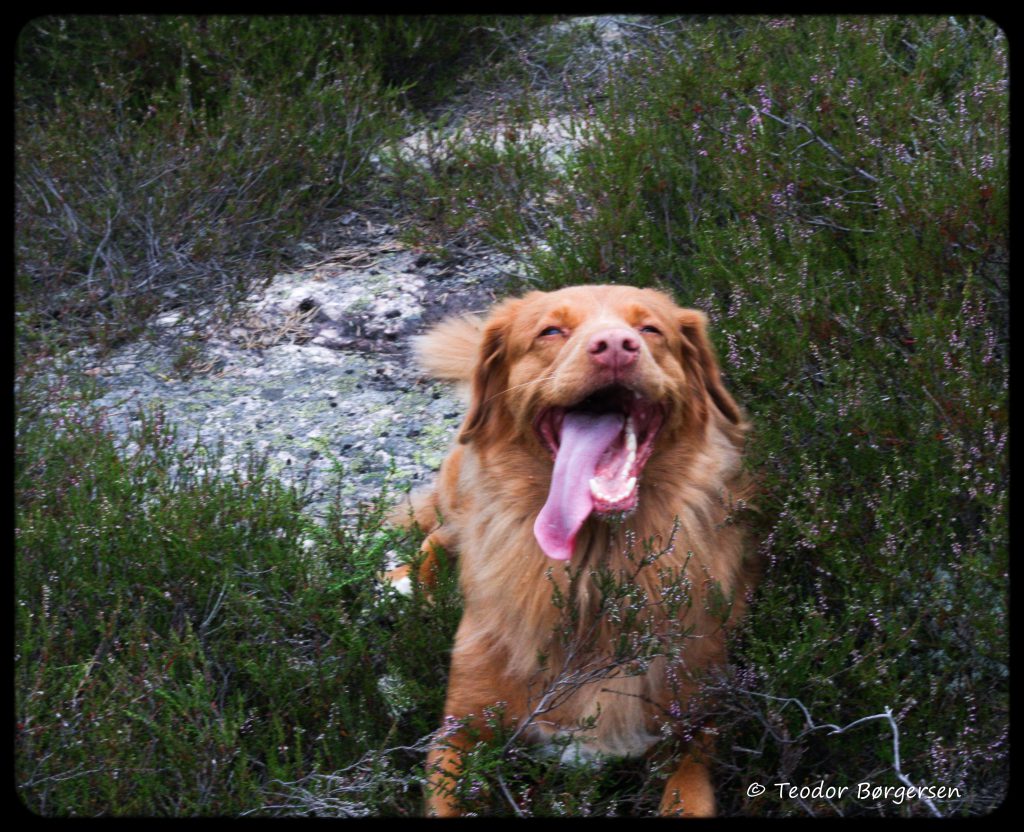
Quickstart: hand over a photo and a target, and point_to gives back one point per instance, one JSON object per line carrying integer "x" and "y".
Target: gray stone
{"x": 315, "y": 371}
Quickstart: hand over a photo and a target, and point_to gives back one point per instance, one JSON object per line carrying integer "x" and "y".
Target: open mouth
{"x": 600, "y": 446}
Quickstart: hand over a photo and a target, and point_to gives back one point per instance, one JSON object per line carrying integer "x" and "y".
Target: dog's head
{"x": 597, "y": 379}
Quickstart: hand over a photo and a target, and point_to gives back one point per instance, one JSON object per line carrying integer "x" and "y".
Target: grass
{"x": 832, "y": 191}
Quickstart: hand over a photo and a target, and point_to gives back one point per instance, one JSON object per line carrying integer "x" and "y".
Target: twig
{"x": 567, "y": 682}
{"x": 215, "y": 610}
{"x": 824, "y": 223}
{"x": 836, "y": 729}
{"x": 797, "y": 123}
{"x": 508, "y": 796}
{"x": 102, "y": 245}
{"x": 802, "y": 125}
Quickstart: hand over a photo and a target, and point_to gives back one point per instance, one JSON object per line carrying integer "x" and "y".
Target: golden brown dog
{"x": 597, "y": 418}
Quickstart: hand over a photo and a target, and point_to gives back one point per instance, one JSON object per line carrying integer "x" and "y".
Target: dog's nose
{"x": 614, "y": 348}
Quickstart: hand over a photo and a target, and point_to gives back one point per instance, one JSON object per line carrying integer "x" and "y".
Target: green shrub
{"x": 184, "y": 638}
{"x": 833, "y": 192}
{"x": 162, "y": 162}
{"x": 175, "y": 161}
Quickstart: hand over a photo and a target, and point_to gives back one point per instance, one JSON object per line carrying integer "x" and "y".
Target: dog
{"x": 596, "y": 416}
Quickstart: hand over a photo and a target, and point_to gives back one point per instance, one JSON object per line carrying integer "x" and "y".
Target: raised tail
{"x": 449, "y": 350}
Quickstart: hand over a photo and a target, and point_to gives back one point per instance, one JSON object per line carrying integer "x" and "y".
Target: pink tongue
{"x": 585, "y": 436}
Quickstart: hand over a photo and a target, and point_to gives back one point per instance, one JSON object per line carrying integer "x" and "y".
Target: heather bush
{"x": 185, "y": 637}
{"x": 175, "y": 162}
{"x": 832, "y": 191}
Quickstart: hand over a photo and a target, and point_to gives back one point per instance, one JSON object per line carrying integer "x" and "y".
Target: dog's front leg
{"x": 444, "y": 769}
{"x": 688, "y": 792}
{"x": 478, "y": 685}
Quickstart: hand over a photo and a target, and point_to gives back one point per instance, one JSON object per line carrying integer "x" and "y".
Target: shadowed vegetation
{"x": 832, "y": 191}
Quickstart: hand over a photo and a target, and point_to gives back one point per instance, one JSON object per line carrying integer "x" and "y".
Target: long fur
{"x": 449, "y": 350}
{"x": 495, "y": 481}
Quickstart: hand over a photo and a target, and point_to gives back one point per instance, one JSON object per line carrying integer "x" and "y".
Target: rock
{"x": 555, "y": 138}
{"x": 324, "y": 394}
{"x": 316, "y": 372}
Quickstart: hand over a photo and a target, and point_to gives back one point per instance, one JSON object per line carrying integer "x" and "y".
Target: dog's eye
{"x": 551, "y": 330}
{"x": 652, "y": 329}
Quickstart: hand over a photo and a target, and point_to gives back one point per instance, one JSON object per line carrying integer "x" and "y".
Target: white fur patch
{"x": 573, "y": 751}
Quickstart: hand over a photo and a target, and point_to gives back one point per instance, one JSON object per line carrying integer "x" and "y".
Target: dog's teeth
{"x": 597, "y": 491}
{"x": 597, "y": 487}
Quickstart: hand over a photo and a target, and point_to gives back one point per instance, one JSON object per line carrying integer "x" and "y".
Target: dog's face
{"x": 597, "y": 379}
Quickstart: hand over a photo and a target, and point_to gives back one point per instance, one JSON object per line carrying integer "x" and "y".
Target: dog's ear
{"x": 699, "y": 357}
{"x": 490, "y": 375}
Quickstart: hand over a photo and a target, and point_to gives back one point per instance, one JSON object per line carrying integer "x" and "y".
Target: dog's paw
{"x": 398, "y": 579}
